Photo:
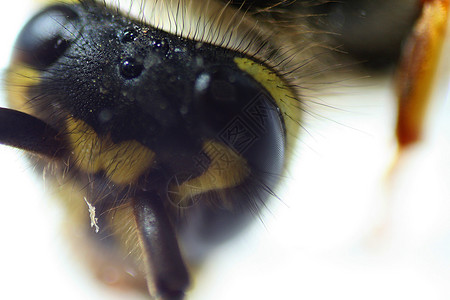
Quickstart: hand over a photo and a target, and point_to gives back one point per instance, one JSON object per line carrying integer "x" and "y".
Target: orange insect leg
{"x": 417, "y": 69}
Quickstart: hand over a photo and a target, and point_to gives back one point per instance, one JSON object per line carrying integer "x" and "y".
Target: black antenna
{"x": 23, "y": 131}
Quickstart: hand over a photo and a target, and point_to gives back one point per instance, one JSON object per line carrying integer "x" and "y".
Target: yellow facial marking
{"x": 19, "y": 79}
{"x": 226, "y": 170}
{"x": 279, "y": 90}
{"x": 123, "y": 163}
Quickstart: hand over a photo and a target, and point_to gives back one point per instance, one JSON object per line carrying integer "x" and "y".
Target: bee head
{"x": 181, "y": 104}
{"x": 150, "y": 123}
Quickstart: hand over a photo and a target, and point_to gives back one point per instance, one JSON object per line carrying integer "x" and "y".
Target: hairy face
{"x": 167, "y": 130}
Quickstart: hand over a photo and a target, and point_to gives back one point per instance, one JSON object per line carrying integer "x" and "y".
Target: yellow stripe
{"x": 226, "y": 170}
{"x": 123, "y": 163}
{"x": 19, "y": 79}
{"x": 285, "y": 99}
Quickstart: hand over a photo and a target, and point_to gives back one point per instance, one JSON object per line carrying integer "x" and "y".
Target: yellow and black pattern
{"x": 165, "y": 135}
{"x": 175, "y": 120}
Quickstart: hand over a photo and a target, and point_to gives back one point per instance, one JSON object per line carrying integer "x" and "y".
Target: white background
{"x": 346, "y": 228}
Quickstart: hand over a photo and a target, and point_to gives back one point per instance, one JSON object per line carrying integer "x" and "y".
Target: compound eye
{"x": 46, "y": 36}
{"x": 242, "y": 114}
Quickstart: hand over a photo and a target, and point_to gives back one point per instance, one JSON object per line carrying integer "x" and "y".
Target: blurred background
{"x": 349, "y": 222}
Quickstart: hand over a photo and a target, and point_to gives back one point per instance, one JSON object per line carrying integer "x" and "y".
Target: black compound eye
{"x": 130, "y": 68}
{"x": 240, "y": 112}
{"x": 47, "y": 36}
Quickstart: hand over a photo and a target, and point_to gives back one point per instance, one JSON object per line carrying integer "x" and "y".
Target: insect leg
{"x": 417, "y": 68}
